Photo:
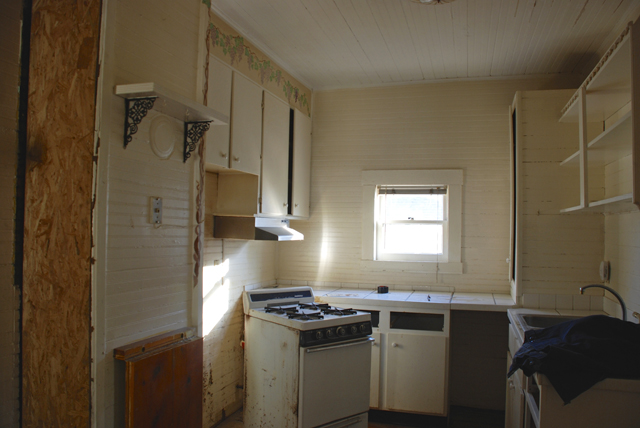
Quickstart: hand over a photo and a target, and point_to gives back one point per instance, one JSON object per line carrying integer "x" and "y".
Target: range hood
{"x": 254, "y": 228}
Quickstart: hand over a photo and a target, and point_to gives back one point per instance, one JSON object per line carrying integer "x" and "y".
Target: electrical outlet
{"x": 156, "y": 210}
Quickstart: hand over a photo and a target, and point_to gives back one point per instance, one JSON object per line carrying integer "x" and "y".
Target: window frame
{"x": 452, "y": 179}
{"x": 382, "y": 255}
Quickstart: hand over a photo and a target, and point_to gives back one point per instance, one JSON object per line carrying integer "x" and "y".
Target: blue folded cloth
{"x": 577, "y": 354}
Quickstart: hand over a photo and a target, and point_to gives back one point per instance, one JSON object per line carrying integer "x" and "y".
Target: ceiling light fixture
{"x": 432, "y": 1}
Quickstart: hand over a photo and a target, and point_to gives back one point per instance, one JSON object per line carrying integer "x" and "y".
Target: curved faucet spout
{"x": 612, "y": 291}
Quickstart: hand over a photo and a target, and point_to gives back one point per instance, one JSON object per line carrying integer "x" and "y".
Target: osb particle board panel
{"x": 57, "y": 245}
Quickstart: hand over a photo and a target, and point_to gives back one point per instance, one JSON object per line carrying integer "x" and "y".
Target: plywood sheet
{"x": 57, "y": 242}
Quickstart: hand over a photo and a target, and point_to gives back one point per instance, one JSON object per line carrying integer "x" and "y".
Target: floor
{"x": 461, "y": 417}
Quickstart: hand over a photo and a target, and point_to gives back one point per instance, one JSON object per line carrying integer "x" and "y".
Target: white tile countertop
{"x": 431, "y": 299}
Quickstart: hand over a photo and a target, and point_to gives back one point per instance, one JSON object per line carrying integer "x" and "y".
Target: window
{"x": 412, "y": 220}
{"x": 411, "y": 223}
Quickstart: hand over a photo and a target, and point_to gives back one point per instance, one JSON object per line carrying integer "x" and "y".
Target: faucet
{"x": 612, "y": 291}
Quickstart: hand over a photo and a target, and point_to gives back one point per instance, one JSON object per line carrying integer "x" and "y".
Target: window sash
{"x": 381, "y": 222}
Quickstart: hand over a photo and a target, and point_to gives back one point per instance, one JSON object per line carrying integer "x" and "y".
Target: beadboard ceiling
{"x": 330, "y": 44}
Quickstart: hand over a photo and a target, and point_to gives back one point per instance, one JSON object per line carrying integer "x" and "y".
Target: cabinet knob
{"x": 223, "y": 154}
{"x": 284, "y": 204}
{"x": 236, "y": 158}
{"x": 394, "y": 344}
{"x": 374, "y": 343}
{"x": 296, "y": 205}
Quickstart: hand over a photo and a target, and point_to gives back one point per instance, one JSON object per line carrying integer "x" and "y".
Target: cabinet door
{"x": 246, "y": 125}
{"x": 301, "y": 180}
{"x": 218, "y": 98}
{"x": 514, "y": 409}
{"x": 374, "y": 395}
{"x": 416, "y": 373}
{"x": 275, "y": 157}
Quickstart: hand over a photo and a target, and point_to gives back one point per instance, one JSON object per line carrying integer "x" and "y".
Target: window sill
{"x": 418, "y": 267}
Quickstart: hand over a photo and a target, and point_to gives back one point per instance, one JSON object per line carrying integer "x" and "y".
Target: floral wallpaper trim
{"x": 235, "y": 48}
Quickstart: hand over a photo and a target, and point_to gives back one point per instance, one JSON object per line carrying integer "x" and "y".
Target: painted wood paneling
{"x": 440, "y": 125}
{"x": 622, "y": 250}
{"x": 560, "y": 252}
{"x": 243, "y": 264}
{"x": 144, "y": 273}
{"x": 56, "y": 318}
{"x": 10, "y": 16}
{"x": 374, "y": 42}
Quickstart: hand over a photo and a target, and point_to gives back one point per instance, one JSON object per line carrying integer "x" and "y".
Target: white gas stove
{"x": 307, "y": 364}
{"x": 295, "y": 308}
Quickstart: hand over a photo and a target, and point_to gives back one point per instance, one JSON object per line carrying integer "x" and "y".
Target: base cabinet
{"x": 409, "y": 360}
{"x": 416, "y": 373}
{"x": 514, "y": 408}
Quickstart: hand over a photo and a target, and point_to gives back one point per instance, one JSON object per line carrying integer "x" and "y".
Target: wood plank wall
{"x": 622, "y": 249}
{"x": 10, "y": 17}
{"x": 437, "y": 125}
{"x": 144, "y": 273}
{"x": 56, "y": 321}
{"x": 560, "y": 252}
{"x": 249, "y": 264}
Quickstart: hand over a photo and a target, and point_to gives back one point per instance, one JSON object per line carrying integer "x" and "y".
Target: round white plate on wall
{"x": 164, "y": 134}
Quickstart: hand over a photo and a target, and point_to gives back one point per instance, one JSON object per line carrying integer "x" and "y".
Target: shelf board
{"x": 609, "y": 89}
{"x": 609, "y": 201}
{"x": 615, "y": 204}
{"x": 571, "y": 209}
{"x": 612, "y": 144}
{"x": 171, "y": 103}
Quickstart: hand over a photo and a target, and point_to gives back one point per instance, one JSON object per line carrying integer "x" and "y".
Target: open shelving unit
{"x": 610, "y": 96}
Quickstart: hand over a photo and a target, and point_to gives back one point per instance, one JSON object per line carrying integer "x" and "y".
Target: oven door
{"x": 334, "y": 382}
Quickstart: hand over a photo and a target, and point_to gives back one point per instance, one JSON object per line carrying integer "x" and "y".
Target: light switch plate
{"x": 156, "y": 210}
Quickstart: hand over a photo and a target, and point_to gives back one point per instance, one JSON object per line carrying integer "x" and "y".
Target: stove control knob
{"x": 341, "y": 331}
{"x": 363, "y": 328}
{"x": 354, "y": 329}
{"x": 329, "y": 333}
{"x": 318, "y": 335}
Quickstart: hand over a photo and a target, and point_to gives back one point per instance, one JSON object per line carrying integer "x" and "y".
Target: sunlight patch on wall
{"x": 215, "y": 295}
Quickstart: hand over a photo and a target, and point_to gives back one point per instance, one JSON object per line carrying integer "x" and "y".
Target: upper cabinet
{"x": 606, "y": 108}
{"x": 246, "y": 125}
{"x": 236, "y": 146}
{"x": 219, "y": 98}
{"x": 262, "y": 159}
{"x": 301, "y": 165}
{"x": 274, "y": 194}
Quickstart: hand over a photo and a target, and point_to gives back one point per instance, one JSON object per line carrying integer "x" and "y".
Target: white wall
{"x": 622, "y": 250}
{"x": 437, "y": 125}
{"x": 10, "y": 16}
{"x": 143, "y": 274}
{"x": 560, "y": 252}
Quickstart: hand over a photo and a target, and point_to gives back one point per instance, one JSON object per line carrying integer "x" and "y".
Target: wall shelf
{"x": 608, "y": 87}
{"x": 607, "y": 147}
{"x": 603, "y": 163}
{"x": 141, "y": 97}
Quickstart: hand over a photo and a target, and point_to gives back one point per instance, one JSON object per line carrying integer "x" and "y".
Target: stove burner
{"x": 339, "y": 312}
{"x": 281, "y": 310}
{"x": 316, "y": 306}
{"x": 306, "y": 317}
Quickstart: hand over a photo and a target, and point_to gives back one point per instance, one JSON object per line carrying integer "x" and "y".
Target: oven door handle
{"x": 340, "y": 345}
